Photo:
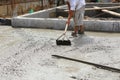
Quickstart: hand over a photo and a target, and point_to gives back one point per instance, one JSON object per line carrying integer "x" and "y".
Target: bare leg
{"x": 81, "y": 28}
{"x": 76, "y": 29}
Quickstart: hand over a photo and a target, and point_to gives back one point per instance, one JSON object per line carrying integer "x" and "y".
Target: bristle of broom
{"x": 63, "y": 42}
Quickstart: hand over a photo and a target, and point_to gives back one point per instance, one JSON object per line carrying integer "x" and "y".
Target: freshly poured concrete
{"x": 25, "y": 54}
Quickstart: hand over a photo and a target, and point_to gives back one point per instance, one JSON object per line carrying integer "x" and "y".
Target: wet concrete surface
{"x": 25, "y": 54}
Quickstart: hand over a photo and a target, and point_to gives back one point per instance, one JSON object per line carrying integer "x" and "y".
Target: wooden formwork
{"x": 11, "y": 7}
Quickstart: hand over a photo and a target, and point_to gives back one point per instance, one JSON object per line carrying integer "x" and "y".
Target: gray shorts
{"x": 79, "y": 16}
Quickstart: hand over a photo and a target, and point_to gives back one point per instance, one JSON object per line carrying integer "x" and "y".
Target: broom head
{"x": 63, "y": 42}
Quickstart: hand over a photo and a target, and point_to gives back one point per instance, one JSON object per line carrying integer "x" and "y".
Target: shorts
{"x": 79, "y": 16}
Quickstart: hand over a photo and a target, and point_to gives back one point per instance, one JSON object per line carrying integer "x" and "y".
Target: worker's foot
{"x": 80, "y": 32}
{"x": 74, "y": 34}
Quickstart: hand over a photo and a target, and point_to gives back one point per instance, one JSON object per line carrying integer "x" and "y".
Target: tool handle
{"x": 64, "y": 32}
{"x": 66, "y": 28}
{"x": 60, "y": 36}
{"x": 90, "y": 63}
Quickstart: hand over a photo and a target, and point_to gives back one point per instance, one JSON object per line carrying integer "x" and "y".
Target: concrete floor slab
{"x": 25, "y": 54}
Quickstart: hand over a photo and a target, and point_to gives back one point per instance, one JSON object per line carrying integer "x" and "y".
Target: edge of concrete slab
{"x": 32, "y": 21}
{"x": 59, "y": 24}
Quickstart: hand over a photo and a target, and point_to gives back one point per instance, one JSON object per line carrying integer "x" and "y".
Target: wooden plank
{"x": 108, "y": 11}
{"x": 110, "y": 8}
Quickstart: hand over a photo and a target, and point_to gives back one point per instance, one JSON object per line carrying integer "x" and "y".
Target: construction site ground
{"x": 25, "y": 54}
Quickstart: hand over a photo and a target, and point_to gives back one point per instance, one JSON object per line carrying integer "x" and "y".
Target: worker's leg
{"x": 74, "y": 33}
{"x": 81, "y": 31}
{"x": 76, "y": 29}
{"x": 80, "y": 14}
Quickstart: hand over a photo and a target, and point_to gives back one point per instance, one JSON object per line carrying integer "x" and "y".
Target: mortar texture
{"x": 25, "y": 54}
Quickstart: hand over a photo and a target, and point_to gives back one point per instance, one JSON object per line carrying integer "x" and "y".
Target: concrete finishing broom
{"x": 63, "y": 41}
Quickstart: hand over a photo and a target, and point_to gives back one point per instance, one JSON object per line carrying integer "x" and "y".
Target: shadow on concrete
{"x": 82, "y": 40}
{"x": 5, "y": 21}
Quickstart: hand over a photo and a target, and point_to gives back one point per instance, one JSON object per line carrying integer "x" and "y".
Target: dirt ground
{"x": 25, "y": 54}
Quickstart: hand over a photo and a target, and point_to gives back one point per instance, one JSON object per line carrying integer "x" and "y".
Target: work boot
{"x": 74, "y": 34}
{"x": 79, "y": 32}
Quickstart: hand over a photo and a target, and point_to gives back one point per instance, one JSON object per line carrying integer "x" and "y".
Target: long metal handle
{"x": 66, "y": 28}
{"x": 60, "y": 36}
{"x": 90, "y": 63}
{"x": 64, "y": 32}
